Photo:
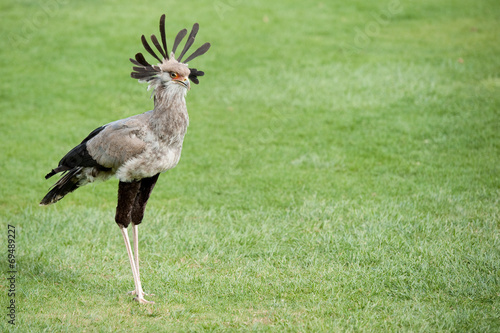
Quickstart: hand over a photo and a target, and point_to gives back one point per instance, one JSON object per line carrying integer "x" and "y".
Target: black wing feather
{"x": 78, "y": 157}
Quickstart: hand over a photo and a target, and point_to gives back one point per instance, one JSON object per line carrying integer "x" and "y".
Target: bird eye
{"x": 173, "y": 75}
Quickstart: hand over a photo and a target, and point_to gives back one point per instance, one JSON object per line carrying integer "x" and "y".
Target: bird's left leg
{"x": 147, "y": 185}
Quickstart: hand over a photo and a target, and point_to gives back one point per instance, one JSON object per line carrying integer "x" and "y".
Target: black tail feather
{"x": 60, "y": 168}
{"x": 68, "y": 183}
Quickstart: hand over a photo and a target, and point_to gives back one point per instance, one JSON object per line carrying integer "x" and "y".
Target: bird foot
{"x": 142, "y": 293}
{"x": 141, "y": 300}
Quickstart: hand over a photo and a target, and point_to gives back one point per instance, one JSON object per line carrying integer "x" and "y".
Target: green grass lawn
{"x": 341, "y": 171}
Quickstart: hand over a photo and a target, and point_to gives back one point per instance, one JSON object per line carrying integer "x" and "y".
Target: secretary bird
{"x": 137, "y": 149}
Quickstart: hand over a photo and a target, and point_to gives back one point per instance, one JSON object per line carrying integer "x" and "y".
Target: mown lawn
{"x": 341, "y": 171}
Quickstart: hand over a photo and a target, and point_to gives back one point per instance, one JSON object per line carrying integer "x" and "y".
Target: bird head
{"x": 172, "y": 71}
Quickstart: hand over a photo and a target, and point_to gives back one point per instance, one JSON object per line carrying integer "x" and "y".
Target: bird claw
{"x": 140, "y": 298}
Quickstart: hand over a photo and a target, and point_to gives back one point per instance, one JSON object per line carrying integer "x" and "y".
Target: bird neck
{"x": 170, "y": 97}
{"x": 171, "y": 118}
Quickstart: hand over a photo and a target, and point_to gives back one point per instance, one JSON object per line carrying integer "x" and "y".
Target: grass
{"x": 340, "y": 172}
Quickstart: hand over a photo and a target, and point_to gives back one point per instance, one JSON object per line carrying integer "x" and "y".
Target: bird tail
{"x": 69, "y": 182}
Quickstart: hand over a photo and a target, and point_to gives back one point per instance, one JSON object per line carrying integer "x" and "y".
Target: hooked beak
{"x": 185, "y": 83}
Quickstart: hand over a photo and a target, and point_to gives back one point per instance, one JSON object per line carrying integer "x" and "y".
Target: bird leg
{"x": 127, "y": 193}
{"x": 135, "y": 237}
{"x": 146, "y": 187}
{"x": 135, "y": 269}
{"x": 137, "y": 214}
{"x": 137, "y": 282}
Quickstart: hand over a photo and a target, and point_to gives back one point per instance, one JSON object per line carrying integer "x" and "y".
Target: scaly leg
{"x": 135, "y": 238}
{"x": 137, "y": 281}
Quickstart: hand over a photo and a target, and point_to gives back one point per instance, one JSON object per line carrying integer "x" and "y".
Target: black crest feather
{"x": 190, "y": 41}
{"x": 200, "y": 51}
{"x": 143, "y": 70}
{"x": 148, "y": 48}
{"x": 193, "y": 75}
{"x": 140, "y": 59}
{"x": 163, "y": 35}
{"x": 178, "y": 39}
{"x": 158, "y": 47}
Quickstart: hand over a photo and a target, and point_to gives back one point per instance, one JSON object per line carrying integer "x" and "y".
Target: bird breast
{"x": 163, "y": 140}
{"x": 149, "y": 163}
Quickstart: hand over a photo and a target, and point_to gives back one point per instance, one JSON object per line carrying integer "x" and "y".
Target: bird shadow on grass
{"x": 38, "y": 279}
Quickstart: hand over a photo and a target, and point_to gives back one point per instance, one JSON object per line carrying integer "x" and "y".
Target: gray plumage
{"x": 136, "y": 149}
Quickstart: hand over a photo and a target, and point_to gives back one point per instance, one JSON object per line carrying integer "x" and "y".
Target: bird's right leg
{"x": 127, "y": 192}
{"x": 130, "y": 256}
{"x": 141, "y": 200}
{"x": 135, "y": 237}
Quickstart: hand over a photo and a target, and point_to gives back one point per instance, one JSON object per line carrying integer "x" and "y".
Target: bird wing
{"x": 119, "y": 141}
{"x": 77, "y": 157}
